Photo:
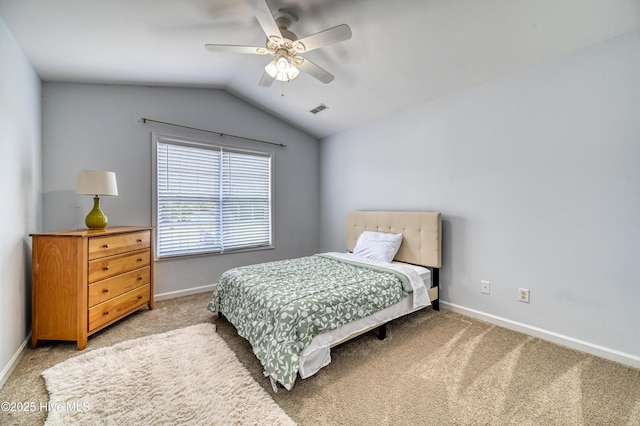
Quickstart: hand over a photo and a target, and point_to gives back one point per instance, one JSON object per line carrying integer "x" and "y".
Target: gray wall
{"x": 538, "y": 178}
{"x": 20, "y": 214}
{"x": 89, "y": 126}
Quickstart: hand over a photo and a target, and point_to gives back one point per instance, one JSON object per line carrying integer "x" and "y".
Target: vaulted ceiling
{"x": 402, "y": 53}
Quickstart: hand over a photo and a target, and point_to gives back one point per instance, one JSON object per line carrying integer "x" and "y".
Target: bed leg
{"x": 382, "y": 332}
{"x": 435, "y": 277}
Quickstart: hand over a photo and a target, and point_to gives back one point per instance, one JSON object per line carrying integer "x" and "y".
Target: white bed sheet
{"x": 318, "y": 354}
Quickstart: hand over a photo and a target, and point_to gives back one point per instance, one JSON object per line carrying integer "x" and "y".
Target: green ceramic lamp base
{"x": 96, "y": 219}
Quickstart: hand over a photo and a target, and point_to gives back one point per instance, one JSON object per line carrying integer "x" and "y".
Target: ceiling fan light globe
{"x": 283, "y": 64}
{"x": 271, "y": 69}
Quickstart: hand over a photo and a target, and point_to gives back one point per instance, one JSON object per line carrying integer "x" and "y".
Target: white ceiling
{"x": 402, "y": 53}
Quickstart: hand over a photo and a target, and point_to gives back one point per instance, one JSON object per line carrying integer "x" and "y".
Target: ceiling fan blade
{"x": 265, "y": 17}
{"x": 229, "y": 48}
{"x": 266, "y": 80}
{"x": 326, "y": 37}
{"x": 315, "y": 71}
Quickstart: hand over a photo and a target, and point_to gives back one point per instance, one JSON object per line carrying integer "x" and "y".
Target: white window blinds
{"x": 211, "y": 199}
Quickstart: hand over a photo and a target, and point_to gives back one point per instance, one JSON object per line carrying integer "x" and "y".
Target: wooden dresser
{"x": 85, "y": 280}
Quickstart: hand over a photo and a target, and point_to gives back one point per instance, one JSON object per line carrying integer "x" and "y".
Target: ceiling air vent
{"x": 319, "y": 108}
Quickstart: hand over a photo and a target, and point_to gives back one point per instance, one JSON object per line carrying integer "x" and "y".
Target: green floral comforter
{"x": 279, "y": 307}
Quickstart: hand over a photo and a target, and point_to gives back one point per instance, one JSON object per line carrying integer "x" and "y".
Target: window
{"x": 211, "y": 199}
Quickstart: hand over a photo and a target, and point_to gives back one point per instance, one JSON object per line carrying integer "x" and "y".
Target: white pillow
{"x": 380, "y": 246}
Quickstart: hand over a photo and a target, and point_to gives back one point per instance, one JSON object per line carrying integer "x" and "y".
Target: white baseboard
{"x": 570, "y": 342}
{"x": 14, "y": 361}
{"x": 187, "y": 292}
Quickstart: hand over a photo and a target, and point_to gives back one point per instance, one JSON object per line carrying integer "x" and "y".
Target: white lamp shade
{"x": 96, "y": 182}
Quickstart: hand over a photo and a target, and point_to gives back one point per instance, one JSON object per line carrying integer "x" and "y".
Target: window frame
{"x": 211, "y": 144}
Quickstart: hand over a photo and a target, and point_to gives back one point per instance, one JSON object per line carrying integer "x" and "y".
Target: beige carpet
{"x": 435, "y": 368}
{"x": 442, "y": 368}
{"x": 185, "y": 376}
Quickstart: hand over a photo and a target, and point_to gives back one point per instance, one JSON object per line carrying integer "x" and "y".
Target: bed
{"x": 294, "y": 311}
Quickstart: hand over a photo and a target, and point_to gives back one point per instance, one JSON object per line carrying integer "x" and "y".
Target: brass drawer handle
{"x": 139, "y": 297}
{"x": 105, "y": 246}
{"x": 105, "y": 290}
{"x": 106, "y": 268}
{"x": 140, "y": 240}
{"x": 140, "y": 259}
{"x": 105, "y": 313}
{"x": 139, "y": 278}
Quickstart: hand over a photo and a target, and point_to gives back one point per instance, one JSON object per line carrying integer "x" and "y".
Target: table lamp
{"x": 96, "y": 182}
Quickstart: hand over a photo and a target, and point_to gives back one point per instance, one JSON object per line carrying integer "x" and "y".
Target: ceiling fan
{"x": 285, "y": 46}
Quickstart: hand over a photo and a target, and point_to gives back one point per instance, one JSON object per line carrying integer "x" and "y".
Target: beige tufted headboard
{"x": 422, "y": 233}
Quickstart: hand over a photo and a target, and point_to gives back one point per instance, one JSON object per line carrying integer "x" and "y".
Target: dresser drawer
{"x": 119, "y": 243}
{"x": 120, "y": 284}
{"x": 106, "y": 267}
{"x": 117, "y": 307}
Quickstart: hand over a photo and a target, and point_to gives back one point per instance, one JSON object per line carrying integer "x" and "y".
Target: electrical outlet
{"x": 485, "y": 287}
{"x": 524, "y": 295}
